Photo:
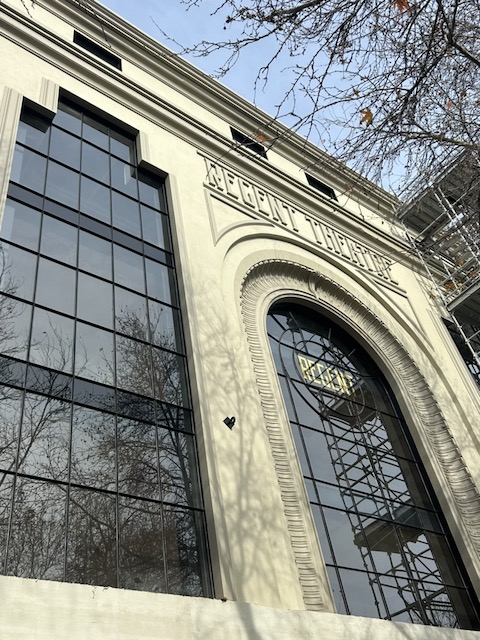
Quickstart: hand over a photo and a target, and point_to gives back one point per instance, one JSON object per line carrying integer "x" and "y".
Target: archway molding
{"x": 272, "y": 280}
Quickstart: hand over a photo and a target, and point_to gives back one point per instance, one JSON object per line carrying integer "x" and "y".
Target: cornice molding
{"x": 143, "y": 51}
{"x": 236, "y": 185}
{"x": 210, "y": 143}
{"x": 48, "y": 99}
{"x": 10, "y": 108}
{"x": 271, "y": 280}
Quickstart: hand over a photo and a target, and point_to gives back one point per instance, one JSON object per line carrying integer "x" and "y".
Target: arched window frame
{"x": 270, "y": 281}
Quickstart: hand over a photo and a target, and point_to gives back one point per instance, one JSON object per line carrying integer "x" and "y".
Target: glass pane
{"x": 12, "y": 371}
{"x": 37, "y": 540}
{"x": 174, "y": 417}
{"x": 10, "y": 406}
{"x": 322, "y": 534}
{"x": 164, "y": 326}
{"x": 94, "y": 354}
{"x": 92, "y": 534}
{"x": 131, "y": 314}
{"x": 124, "y": 178}
{"x": 434, "y": 559}
{"x": 95, "y": 226}
{"x": 463, "y": 610}
{"x": 69, "y": 118}
{"x": 55, "y": 286}
{"x": 52, "y": 340}
{"x": 15, "y": 319}
{"x": 45, "y": 443}
{"x": 93, "y": 449}
{"x": 128, "y": 269}
{"x": 49, "y": 381}
{"x": 33, "y": 131}
{"x": 329, "y": 494}
{"x": 126, "y": 215}
{"x": 181, "y": 546}
{"x": 157, "y": 254}
{"x": 141, "y": 546}
{"x": 95, "y": 163}
{"x": 94, "y": 395}
{"x": 95, "y": 199}
{"x": 307, "y": 407}
{"x": 17, "y": 271}
{"x": 95, "y": 300}
{"x": 343, "y": 530}
{"x": 29, "y": 169}
{"x": 62, "y": 185}
{"x": 95, "y": 132}
{"x": 65, "y": 148}
{"x": 402, "y": 597}
{"x": 288, "y": 401}
{"x": 135, "y": 407}
{"x": 320, "y": 454}
{"x": 151, "y": 192}
{"x": 122, "y": 147}
{"x": 95, "y": 255}
{"x": 21, "y": 225}
{"x": 126, "y": 241}
{"x": 362, "y": 594}
{"x": 59, "y": 211}
{"x": 155, "y": 228}
{"x": 160, "y": 281}
{"x": 59, "y": 241}
{"x": 175, "y": 467}
{"x": 6, "y": 495}
{"x": 137, "y": 459}
{"x": 168, "y": 376}
{"x": 134, "y": 366}
{"x": 336, "y": 590}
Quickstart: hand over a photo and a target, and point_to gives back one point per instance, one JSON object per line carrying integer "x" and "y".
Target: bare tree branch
{"x": 414, "y": 65}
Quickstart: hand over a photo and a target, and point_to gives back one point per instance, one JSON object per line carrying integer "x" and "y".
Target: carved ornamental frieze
{"x": 276, "y": 279}
{"x": 244, "y": 193}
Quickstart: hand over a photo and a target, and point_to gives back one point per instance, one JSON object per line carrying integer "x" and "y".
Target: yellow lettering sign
{"x": 324, "y": 376}
{"x": 306, "y": 368}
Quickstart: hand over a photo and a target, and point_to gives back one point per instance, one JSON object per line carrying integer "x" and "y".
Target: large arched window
{"x": 386, "y": 545}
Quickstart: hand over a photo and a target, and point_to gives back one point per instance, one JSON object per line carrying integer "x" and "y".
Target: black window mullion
{"x": 385, "y": 508}
{"x": 88, "y": 392}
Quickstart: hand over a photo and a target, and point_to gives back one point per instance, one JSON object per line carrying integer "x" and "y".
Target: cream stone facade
{"x": 248, "y": 232}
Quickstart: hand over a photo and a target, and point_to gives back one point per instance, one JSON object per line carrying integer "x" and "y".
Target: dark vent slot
{"x": 321, "y": 186}
{"x": 96, "y": 50}
{"x": 249, "y": 143}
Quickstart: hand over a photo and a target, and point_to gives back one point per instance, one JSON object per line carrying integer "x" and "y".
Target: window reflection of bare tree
{"x": 73, "y": 464}
{"x": 34, "y": 536}
{"x": 11, "y": 310}
{"x": 138, "y": 367}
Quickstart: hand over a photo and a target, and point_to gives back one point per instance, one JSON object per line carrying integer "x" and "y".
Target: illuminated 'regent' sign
{"x": 325, "y": 376}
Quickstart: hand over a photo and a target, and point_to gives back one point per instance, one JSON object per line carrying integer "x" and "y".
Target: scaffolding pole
{"x": 443, "y": 225}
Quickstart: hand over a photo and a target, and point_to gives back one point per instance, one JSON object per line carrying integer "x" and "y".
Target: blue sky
{"x": 188, "y": 28}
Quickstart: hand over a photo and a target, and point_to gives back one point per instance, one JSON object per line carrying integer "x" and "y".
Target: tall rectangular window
{"x": 98, "y": 465}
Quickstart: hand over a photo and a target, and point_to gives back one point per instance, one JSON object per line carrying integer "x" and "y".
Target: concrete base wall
{"x": 40, "y": 610}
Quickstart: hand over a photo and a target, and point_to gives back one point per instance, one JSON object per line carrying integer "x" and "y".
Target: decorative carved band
{"x": 10, "y": 108}
{"x": 288, "y": 279}
{"x": 48, "y": 99}
{"x": 237, "y": 189}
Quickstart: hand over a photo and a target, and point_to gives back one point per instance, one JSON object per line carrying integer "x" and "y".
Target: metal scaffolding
{"x": 443, "y": 224}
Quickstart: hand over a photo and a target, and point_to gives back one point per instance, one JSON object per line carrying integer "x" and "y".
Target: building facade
{"x": 229, "y": 400}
